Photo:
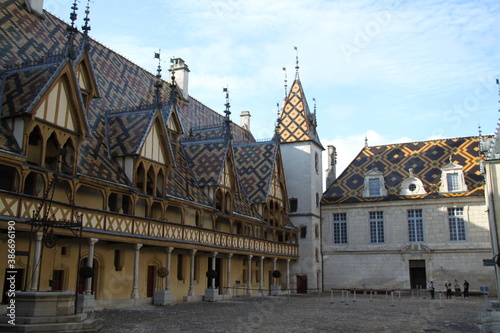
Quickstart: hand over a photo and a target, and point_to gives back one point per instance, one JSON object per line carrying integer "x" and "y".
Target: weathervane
{"x": 158, "y": 84}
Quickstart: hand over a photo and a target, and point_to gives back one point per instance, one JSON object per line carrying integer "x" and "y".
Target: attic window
{"x": 452, "y": 178}
{"x": 412, "y": 185}
{"x": 374, "y": 184}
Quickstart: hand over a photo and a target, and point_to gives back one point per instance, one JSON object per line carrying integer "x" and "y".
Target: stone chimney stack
{"x": 245, "y": 120}
{"x": 181, "y": 72}
{"x": 331, "y": 175}
{"x": 35, "y": 7}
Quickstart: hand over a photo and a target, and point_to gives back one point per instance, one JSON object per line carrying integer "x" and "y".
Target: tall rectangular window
{"x": 376, "y": 227}
{"x": 340, "y": 228}
{"x": 374, "y": 187}
{"x": 457, "y": 224}
{"x": 415, "y": 225}
{"x": 452, "y": 179}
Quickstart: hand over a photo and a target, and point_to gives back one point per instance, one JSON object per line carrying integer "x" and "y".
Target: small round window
{"x": 412, "y": 187}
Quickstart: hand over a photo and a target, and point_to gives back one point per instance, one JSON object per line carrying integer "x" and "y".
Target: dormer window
{"x": 412, "y": 185}
{"x": 452, "y": 178}
{"x": 374, "y": 184}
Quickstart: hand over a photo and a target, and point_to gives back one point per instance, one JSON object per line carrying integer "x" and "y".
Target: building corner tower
{"x": 301, "y": 151}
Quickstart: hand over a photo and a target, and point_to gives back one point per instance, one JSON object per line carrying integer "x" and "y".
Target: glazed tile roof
{"x": 255, "y": 163}
{"x": 394, "y": 161}
{"x": 297, "y": 124}
{"x": 117, "y": 120}
{"x": 126, "y": 131}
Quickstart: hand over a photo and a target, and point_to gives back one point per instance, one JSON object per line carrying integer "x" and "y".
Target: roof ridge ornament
{"x": 227, "y": 111}
{"x": 158, "y": 84}
{"x": 296, "y": 62}
{"x": 70, "y": 52}
{"x": 286, "y": 83}
{"x": 86, "y": 27}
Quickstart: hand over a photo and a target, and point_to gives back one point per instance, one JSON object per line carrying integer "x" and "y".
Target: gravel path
{"x": 301, "y": 313}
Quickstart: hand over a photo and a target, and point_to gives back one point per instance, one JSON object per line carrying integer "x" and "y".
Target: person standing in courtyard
{"x": 448, "y": 289}
{"x": 466, "y": 289}
{"x": 431, "y": 288}
{"x": 457, "y": 289}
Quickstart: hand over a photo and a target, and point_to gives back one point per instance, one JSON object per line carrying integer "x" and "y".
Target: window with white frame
{"x": 374, "y": 185}
{"x": 452, "y": 178}
{"x": 340, "y": 228}
{"x": 415, "y": 225}
{"x": 457, "y": 224}
{"x": 376, "y": 227}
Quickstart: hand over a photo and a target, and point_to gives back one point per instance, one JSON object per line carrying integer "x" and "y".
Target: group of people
{"x": 449, "y": 289}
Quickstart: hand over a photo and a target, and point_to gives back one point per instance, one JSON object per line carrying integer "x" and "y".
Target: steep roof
{"x": 255, "y": 163}
{"x": 120, "y": 118}
{"x": 426, "y": 158}
{"x": 297, "y": 124}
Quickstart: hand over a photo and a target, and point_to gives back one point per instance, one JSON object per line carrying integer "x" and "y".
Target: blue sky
{"x": 393, "y": 71}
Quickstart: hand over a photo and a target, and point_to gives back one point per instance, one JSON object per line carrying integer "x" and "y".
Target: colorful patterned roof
{"x": 117, "y": 121}
{"x": 206, "y": 159}
{"x": 23, "y": 86}
{"x": 255, "y": 163}
{"x": 297, "y": 124}
{"x": 126, "y": 131}
{"x": 394, "y": 161}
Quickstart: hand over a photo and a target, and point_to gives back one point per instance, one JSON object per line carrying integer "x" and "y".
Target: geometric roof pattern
{"x": 297, "y": 124}
{"x": 121, "y": 118}
{"x": 426, "y": 158}
{"x": 255, "y": 163}
{"x": 126, "y": 131}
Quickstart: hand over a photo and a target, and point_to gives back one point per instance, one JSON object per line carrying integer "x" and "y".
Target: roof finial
{"x": 86, "y": 26}
{"x": 227, "y": 120}
{"x": 172, "y": 60}
{"x": 314, "y": 114}
{"x": 286, "y": 82}
{"x": 296, "y": 62}
{"x": 70, "y": 52}
{"x": 278, "y": 121}
{"x": 451, "y": 161}
{"x": 158, "y": 84}
{"x": 366, "y": 141}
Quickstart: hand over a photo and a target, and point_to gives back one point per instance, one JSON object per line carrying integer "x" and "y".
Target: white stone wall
{"x": 359, "y": 264}
{"x": 305, "y": 183}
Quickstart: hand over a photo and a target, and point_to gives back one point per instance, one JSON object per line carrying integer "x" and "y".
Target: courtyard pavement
{"x": 307, "y": 313}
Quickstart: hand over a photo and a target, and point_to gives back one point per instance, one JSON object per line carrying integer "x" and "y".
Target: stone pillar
{"x": 288, "y": 274}
{"x": 261, "y": 284}
{"x": 213, "y": 267}
{"x": 135, "y": 292}
{"x": 249, "y": 275}
{"x": 191, "y": 274}
{"x": 36, "y": 261}
{"x": 274, "y": 268}
{"x": 169, "y": 260}
{"x": 90, "y": 263}
{"x": 228, "y": 277}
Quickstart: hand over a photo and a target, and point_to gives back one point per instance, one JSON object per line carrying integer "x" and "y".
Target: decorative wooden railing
{"x": 22, "y": 206}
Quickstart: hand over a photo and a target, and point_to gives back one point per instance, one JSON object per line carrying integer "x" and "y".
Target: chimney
{"x": 35, "y": 7}
{"x": 181, "y": 71}
{"x": 332, "y": 166}
{"x": 245, "y": 120}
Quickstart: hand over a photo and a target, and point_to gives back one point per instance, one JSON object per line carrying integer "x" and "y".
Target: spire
{"x": 296, "y": 63}
{"x": 286, "y": 82}
{"x": 227, "y": 120}
{"x": 86, "y": 26}
{"x": 70, "y": 52}
{"x": 278, "y": 123}
{"x": 158, "y": 84}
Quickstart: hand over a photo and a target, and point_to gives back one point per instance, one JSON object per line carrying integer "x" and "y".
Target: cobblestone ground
{"x": 302, "y": 313}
